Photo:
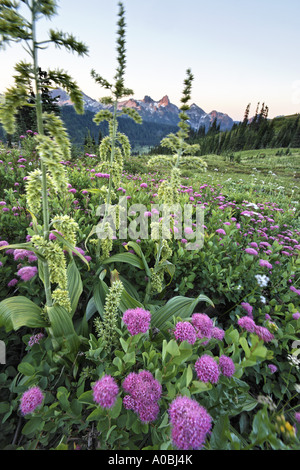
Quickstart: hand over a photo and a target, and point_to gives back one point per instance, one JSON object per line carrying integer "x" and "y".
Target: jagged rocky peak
{"x": 162, "y": 111}
{"x": 148, "y": 100}
{"x": 164, "y": 101}
{"x": 130, "y": 103}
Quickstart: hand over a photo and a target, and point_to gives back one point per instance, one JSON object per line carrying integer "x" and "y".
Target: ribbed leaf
{"x": 177, "y": 306}
{"x": 99, "y": 293}
{"x": 19, "y": 311}
{"x": 129, "y": 287}
{"x": 90, "y": 309}
{"x": 74, "y": 285}
{"x": 140, "y": 253}
{"x": 62, "y": 332}
{"x": 129, "y": 258}
{"x": 127, "y": 301}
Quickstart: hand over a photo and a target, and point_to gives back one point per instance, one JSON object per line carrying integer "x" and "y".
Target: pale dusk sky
{"x": 239, "y": 52}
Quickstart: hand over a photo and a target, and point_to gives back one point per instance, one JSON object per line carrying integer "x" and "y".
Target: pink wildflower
{"x": 246, "y": 306}
{"x": 35, "y": 339}
{"x": 227, "y": 366}
{"x": 265, "y": 264}
{"x": 190, "y": 423}
{"x": 137, "y": 320}
{"x": 143, "y": 394}
{"x": 251, "y": 251}
{"x": 27, "y": 273}
{"x": 30, "y": 400}
{"x": 12, "y": 283}
{"x": 207, "y": 369}
{"x": 263, "y": 333}
{"x": 202, "y": 324}
{"x": 184, "y": 331}
{"x": 247, "y": 323}
{"x": 105, "y": 391}
{"x": 272, "y": 368}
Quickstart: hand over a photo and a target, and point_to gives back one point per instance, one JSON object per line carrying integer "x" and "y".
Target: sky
{"x": 239, "y": 51}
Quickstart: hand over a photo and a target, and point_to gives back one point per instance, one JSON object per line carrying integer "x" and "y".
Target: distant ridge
{"x": 159, "y": 112}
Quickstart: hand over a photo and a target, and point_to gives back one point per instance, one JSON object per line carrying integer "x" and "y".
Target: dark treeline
{"x": 257, "y": 132}
{"x": 81, "y": 128}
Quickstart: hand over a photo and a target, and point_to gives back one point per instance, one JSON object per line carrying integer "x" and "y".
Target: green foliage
{"x": 66, "y": 345}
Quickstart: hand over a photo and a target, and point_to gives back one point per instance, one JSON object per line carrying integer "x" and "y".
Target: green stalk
{"x": 112, "y": 155}
{"x": 40, "y": 128}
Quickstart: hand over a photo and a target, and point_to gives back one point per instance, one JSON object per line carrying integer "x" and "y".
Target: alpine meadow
{"x": 149, "y": 261}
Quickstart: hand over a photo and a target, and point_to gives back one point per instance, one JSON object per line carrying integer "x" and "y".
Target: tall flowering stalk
{"x": 115, "y": 147}
{"x": 168, "y": 191}
{"x": 52, "y": 145}
{"x": 182, "y": 151}
{"x": 14, "y": 27}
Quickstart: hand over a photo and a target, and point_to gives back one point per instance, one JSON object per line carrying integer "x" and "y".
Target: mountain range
{"x": 158, "y": 112}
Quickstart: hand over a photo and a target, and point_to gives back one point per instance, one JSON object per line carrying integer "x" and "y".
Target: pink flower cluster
{"x": 246, "y": 306}
{"x": 249, "y": 325}
{"x": 209, "y": 370}
{"x": 201, "y": 326}
{"x": 35, "y": 339}
{"x": 144, "y": 391}
{"x": 137, "y": 320}
{"x": 184, "y": 331}
{"x": 30, "y": 400}
{"x": 20, "y": 254}
{"x": 27, "y": 273}
{"x": 190, "y": 423}
{"x": 205, "y": 328}
{"x": 105, "y": 391}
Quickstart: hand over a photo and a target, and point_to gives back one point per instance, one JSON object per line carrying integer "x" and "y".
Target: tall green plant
{"x": 115, "y": 147}
{"x": 52, "y": 146}
{"x": 183, "y": 153}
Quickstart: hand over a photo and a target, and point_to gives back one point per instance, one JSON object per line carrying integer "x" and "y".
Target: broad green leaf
{"x": 26, "y": 369}
{"x": 172, "y": 348}
{"x": 19, "y": 311}
{"x": 116, "y": 409}
{"x": 34, "y": 425}
{"x": 129, "y": 258}
{"x": 259, "y": 351}
{"x": 99, "y": 293}
{"x": 128, "y": 302}
{"x": 139, "y": 252}
{"x": 74, "y": 285}
{"x": 90, "y": 309}
{"x": 95, "y": 414}
{"x": 219, "y": 436}
{"x": 244, "y": 344}
{"x": 87, "y": 398}
{"x": 62, "y": 332}
{"x": 199, "y": 387}
{"x": 129, "y": 287}
{"x": 189, "y": 375}
{"x": 177, "y": 306}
